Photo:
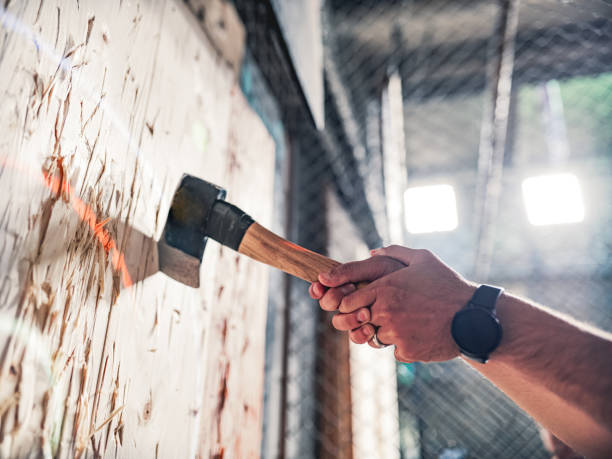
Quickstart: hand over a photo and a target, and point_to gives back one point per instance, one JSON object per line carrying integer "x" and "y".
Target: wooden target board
{"x": 105, "y": 105}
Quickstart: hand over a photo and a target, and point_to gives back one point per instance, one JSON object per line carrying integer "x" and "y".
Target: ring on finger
{"x": 375, "y": 342}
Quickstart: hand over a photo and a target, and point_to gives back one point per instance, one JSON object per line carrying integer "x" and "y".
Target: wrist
{"x": 461, "y": 298}
{"x": 465, "y": 294}
{"x": 514, "y": 316}
{"x": 510, "y": 314}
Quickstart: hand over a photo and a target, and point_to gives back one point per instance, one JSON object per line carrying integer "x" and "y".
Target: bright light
{"x": 430, "y": 208}
{"x": 553, "y": 199}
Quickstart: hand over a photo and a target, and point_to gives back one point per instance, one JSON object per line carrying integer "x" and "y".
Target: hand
{"x": 355, "y": 272}
{"x": 412, "y": 306}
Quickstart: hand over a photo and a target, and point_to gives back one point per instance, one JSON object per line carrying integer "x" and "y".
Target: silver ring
{"x": 375, "y": 342}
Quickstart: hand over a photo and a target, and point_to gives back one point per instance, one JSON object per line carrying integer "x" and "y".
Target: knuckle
{"x": 392, "y": 333}
{"x": 385, "y": 334}
{"x": 384, "y": 319}
{"x": 350, "y": 302}
{"x": 343, "y": 270}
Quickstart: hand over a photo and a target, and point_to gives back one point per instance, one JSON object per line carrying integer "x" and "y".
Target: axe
{"x": 199, "y": 211}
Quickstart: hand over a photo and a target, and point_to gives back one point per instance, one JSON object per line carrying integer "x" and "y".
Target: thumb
{"x": 397, "y": 252}
{"x": 360, "y": 271}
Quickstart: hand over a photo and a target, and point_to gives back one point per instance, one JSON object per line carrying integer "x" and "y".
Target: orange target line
{"x": 86, "y": 213}
{"x": 61, "y": 187}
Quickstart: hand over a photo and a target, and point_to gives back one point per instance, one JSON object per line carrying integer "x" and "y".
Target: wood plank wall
{"x": 104, "y": 106}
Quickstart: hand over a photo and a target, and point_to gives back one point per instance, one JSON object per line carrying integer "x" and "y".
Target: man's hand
{"x": 412, "y": 298}
{"x": 553, "y": 367}
{"x": 344, "y": 279}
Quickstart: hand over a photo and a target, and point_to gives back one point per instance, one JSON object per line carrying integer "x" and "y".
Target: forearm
{"x": 556, "y": 370}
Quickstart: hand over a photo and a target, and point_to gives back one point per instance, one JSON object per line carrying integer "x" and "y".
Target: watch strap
{"x": 486, "y": 296}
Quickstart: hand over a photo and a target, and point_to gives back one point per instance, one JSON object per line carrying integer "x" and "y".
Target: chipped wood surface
{"x": 104, "y": 106}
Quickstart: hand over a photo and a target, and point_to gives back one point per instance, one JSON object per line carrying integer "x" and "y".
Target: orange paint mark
{"x": 85, "y": 212}
{"x": 61, "y": 187}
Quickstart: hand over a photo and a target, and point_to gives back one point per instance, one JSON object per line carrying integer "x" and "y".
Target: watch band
{"x": 486, "y": 296}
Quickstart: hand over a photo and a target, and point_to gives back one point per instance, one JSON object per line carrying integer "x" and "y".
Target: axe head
{"x": 198, "y": 211}
{"x": 182, "y": 243}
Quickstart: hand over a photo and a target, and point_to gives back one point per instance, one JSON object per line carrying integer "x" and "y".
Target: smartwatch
{"x": 475, "y": 328}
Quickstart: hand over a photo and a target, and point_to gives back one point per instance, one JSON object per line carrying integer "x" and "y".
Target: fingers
{"x": 362, "y": 334}
{"x": 358, "y": 271}
{"x": 397, "y": 252}
{"x": 330, "y": 300}
{"x": 372, "y": 345}
{"x": 316, "y": 290}
{"x": 345, "y": 322}
{"x": 358, "y": 299}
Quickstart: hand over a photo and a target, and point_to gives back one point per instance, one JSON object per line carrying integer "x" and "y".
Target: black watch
{"x": 475, "y": 328}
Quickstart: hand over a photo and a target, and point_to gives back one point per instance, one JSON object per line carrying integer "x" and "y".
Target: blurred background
{"x": 479, "y": 130}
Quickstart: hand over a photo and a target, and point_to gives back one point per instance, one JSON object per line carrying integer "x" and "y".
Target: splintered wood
{"x": 104, "y": 106}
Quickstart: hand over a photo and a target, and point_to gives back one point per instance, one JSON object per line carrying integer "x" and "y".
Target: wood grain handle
{"x": 265, "y": 246}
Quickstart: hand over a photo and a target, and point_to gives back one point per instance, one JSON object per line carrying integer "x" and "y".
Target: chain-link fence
{"x": 476, "y": 96}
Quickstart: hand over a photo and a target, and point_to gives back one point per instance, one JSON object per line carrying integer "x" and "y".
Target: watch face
{"x": 476, "y": 331}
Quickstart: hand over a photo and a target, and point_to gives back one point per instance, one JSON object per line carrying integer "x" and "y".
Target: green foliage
{"x": 587, "y": 106}
{"x": 588, "y": 101}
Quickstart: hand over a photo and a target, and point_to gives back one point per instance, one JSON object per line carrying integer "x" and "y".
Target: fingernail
{"x": 375, "y": 251}
{"x": 362, "y": 316}
{"x": 346, "y": 289}
{"x": 366, "y": 332}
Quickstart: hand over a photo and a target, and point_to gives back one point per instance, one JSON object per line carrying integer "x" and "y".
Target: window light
{"x": 553, "y": 199}
{"x": 430, "y": 208}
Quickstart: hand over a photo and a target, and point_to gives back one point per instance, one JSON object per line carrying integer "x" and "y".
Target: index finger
{"x": 361, "y": 298}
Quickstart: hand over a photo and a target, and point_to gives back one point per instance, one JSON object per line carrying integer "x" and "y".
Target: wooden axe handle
{"x": 265, "y": 246}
